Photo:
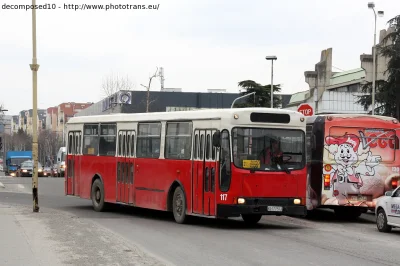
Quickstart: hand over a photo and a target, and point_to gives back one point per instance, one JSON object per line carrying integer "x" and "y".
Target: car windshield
{"x": 268, "y": 149}
{"x": 28, "y": 164}
{"x": 63, "y": 156}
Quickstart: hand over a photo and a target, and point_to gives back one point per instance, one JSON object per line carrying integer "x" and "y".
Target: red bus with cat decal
{"x": 211, "y": 163}
{"x": 353, "y": 160}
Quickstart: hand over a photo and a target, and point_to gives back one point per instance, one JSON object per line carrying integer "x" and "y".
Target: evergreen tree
{"x": 262, "y": 97}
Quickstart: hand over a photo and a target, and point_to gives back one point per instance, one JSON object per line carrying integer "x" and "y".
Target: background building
{"x": 337, "y": 92}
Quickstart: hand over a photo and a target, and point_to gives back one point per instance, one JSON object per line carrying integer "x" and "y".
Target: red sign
{"x": 305, "y": 109}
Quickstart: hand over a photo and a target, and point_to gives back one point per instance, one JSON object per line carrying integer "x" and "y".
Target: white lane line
{"x": 1, "y": 185}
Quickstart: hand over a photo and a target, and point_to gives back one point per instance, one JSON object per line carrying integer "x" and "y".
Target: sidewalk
{"x": 54, "y": 238}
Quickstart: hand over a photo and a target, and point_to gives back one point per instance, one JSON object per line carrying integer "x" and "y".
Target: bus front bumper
{"x": 261, "y": 206}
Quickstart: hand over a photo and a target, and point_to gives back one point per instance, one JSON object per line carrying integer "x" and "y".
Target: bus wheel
{"x": 97, "y": 195}
{"x": 251, "y": 219}
{"x": 179, "y": 206}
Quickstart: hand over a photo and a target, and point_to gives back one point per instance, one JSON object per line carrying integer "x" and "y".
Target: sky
{"x": 201, "y": 44}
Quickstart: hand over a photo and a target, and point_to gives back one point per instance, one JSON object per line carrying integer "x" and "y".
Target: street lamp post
{"x": 34, "y": 67}
{"x": 241, "y": 97}
{"x": 272, "y": 58}
{"x": 380, "y": 13}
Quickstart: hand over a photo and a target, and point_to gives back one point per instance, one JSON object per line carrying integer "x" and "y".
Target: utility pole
{"x": 34, "y": 67}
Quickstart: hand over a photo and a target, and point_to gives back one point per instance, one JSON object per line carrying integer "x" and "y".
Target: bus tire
{"x": 251, "y": 219}
{"x": 179, "y": 206}
{"x": 97, "y": 195}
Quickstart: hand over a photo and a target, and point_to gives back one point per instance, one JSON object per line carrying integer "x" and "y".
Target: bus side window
{"x": 208, "y": 147}
{"x": 201, "y": 147}
{"x": 120, "y": 144}
{"x": 148, "y": 140}
{"x": 196, "y": 146}
{"x": 91, "y": 139}
{"x": 225, "y": 162}
{"x": 133, "y": 143}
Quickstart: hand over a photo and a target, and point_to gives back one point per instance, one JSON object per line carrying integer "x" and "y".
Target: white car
{"x": 387, "y": 211}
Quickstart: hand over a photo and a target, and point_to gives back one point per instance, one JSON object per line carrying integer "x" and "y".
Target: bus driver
{"x": 272, "y": 152}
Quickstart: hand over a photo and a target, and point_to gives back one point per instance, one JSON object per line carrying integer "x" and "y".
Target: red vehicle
{"x": 211, "y": 163}
{"x": 354, "y": 160}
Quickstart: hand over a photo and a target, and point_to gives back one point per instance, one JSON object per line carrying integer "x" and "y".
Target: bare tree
{"x": 114, "y": 83}
{"x": 1, "y": 113}
{"x": 148, "y": 102}
{"x": 48, "y": 145}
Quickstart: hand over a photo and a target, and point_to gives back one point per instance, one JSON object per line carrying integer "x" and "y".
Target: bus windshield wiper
{"x": 285, "y": 168}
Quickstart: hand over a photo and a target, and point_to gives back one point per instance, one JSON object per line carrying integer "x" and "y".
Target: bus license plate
{"x": 359, "y": 198}
{"x": 275, "y": 208}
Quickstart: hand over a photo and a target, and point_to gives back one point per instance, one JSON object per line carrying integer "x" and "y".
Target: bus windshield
{"x": 267, "y": 149}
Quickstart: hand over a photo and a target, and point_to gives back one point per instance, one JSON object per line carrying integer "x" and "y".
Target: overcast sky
{"x": 202, "y": 44}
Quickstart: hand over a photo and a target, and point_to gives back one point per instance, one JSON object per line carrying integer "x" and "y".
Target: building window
{"x": 148, "y": 140}
{"x": 108, "y": 140}
{"x": 178, "y": 140}
{"x": 91, "y": 139}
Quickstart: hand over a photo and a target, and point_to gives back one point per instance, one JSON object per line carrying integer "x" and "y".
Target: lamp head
{"x": 272, "y": 57}
{"x": 371, "y": 5}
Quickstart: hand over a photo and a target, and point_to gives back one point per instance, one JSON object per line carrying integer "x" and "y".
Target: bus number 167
{"x": 224, "y": 196}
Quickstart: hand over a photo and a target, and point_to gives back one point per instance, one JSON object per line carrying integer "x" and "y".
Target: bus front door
{"x": 210, "y": 173}
{"x": 204, "y": 174}
{"x": 72, "y": 159}
{"x": 69, "y": 163}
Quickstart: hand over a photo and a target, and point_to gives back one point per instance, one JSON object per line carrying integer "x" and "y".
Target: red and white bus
{"x": 207, "y": 163}
{"x": 353, "y": 160}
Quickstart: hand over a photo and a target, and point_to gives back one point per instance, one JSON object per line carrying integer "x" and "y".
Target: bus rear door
{"x": 125, "y": 166}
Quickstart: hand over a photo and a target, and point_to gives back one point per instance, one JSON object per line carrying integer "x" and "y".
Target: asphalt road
{"x": 275, "y": 241}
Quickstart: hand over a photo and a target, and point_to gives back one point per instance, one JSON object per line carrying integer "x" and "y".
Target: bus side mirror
{"x": 216, "y": 141}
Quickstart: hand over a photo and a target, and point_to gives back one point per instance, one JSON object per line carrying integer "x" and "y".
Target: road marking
{"x": 20, "y": 186}
{"x": 1, "y": 185}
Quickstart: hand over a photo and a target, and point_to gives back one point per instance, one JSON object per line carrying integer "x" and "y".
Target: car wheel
{"x": 381, "y": 222}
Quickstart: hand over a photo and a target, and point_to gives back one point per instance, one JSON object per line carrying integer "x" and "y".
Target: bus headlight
{"x": 297, "y": 201}
{"x": 241, "y": 200}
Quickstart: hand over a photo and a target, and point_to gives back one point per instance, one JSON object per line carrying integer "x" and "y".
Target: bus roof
{"x": 178, "y": 115}
{"x": 386, "y": 118}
